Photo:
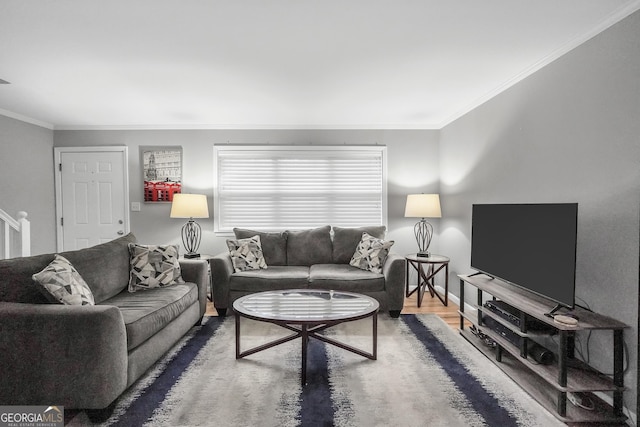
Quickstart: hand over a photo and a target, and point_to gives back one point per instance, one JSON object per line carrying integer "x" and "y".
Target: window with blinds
{"x": 293, "y": 187}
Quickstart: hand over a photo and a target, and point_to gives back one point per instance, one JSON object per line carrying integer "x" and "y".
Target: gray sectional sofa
{"x": 85, "y": 356}
{"x": 310, "y": 259}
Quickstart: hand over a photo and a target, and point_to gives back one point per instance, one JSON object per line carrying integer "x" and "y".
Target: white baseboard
{"x": 454, "y": 299}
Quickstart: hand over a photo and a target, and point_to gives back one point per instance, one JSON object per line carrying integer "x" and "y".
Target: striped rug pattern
{"x": 425, "y": 375}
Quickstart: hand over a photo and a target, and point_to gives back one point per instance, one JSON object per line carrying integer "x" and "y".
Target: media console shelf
{"x": 548, "y": 384}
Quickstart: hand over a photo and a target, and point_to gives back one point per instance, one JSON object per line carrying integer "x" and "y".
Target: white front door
{"x": 92, "y": 195}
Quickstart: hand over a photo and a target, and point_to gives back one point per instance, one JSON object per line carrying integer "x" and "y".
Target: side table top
{"x": 431, "y": 259}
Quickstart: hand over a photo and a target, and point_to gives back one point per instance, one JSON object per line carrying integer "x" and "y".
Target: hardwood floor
{"x": 448, "y": 313}
{"x": 429, "y": 305}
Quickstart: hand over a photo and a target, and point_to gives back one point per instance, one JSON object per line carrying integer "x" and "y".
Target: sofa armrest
{"x": 74, "y": 356}
{"x": 197, "y": 271}
{"x": 221, "y": 271}
{"x": 394, "y": 271}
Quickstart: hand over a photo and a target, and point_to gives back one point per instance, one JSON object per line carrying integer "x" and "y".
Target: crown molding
{"x": 26, "y": 119}
{"x": 378, "y": 126}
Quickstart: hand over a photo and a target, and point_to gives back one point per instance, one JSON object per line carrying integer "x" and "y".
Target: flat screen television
{"x": 532, "y": 246}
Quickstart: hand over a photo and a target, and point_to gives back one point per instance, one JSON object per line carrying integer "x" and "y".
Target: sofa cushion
{"x": 60, "y": 282}
{"x": 16, "y": 282}
{"x": 371, "y": 253}
{"x": 274, "y": 245}
{"x": 344, "y": 277}
{"x": 309, "y": 247}
{"x": 153, "y": 266}
{"x": 277, "y": 277}
{"x": 146, "y": 313}
{"x": 345, "y": 241}
{"x": 104, "y": 267}
{"x": 246, "y": 254}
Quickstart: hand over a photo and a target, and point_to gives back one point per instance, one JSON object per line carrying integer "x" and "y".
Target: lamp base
{"x": 190, "y": 256}
{"x": 423, "y": 231}
{"x": 191, "y": 233}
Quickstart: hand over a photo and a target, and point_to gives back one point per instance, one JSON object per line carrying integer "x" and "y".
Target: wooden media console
{"x": 550, "y": 384}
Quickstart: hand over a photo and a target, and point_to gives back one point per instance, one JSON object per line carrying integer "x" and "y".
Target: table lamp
{"x": 190, "y": 206}
{"x": 423, "y": 206}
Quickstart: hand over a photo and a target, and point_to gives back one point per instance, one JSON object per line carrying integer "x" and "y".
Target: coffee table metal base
{"x": 306, "y": 330}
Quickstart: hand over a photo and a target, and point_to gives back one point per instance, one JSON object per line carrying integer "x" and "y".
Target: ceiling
{"x": 247, "y": 64}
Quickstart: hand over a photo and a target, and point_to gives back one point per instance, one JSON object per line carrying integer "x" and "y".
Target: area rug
{"x": 426, "y": 374}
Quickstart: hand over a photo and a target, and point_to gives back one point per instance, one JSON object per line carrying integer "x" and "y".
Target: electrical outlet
{"x": 135, "y": 206}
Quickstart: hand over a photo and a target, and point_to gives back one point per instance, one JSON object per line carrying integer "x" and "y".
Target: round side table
{"x": 428, "y": 268}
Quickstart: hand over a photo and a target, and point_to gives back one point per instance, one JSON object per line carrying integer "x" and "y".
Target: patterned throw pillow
{"x": 153, "y": 266}
{"x": 246, "y": 254}
{"x": 60, "y": 282}
{"x": 371, "y": 253}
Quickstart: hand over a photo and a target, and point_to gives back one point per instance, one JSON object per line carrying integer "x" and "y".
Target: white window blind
{"x": 292, "y": 187}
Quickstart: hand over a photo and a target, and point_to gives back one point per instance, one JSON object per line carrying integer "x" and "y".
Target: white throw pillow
{"x": 246, "y": 254}
{"x": 60, "y": 282}
{"x": 153, "y": 266}
{"x": 371, "y": 253}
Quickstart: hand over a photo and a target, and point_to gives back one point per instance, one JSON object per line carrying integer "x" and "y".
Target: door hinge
{"x": 60, "y": 167}
{"x": 62, "y": 222}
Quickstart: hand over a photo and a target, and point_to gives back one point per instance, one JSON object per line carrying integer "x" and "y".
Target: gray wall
{"x": 568, "y": 133}
{"x": 412, "y": 160}
{"x": 26, "y": 179}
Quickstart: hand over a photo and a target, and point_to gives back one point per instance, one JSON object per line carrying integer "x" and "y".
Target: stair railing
{"x": 22, "y": 227}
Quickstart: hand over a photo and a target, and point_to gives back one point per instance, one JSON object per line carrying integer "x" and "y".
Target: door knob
{"x": 120, "y": 233}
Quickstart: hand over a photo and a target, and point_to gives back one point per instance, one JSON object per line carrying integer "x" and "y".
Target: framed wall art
{"x": 161, "y": 173}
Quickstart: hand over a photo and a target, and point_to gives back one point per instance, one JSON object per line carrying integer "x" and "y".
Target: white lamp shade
{"x": 423, "y": 206}
{"x": 189, "y": 206}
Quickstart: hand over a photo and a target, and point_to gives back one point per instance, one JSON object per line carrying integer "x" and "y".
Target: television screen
{"x": 532, "y": 246}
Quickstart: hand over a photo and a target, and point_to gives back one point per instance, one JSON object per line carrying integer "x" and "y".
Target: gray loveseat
{"x": 85, "y": 356}
{"x": 310, "y": 259}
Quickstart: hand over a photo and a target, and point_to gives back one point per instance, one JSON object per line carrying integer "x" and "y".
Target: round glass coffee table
{"x": 306, "y": 312}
